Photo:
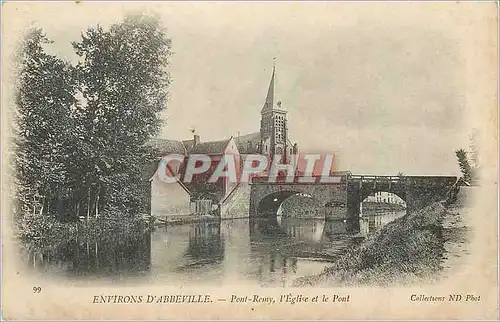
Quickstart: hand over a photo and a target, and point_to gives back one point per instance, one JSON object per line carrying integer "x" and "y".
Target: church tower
{"x": 273, "y": 125}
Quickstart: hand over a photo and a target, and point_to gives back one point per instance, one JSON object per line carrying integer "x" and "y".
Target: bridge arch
{"x": 270, "y": 204}
{"x": 401, "y": 193}
{"x": 382, "y": 200}
{"x": 359, "y": 193}
{"x": 266, "y": 198}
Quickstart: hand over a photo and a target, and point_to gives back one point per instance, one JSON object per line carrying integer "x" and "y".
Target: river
{"x": 265, "y": 252}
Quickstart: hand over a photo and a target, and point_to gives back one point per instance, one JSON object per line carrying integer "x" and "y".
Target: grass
{"x": 46, "y": 234}
{"x": 405, "y": 251}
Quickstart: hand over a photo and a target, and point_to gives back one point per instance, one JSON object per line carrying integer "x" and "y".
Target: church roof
{"x": 255, "y": 136}
{"x": 248, "y": 143}
{"x": 269, "y": 103}
{"x": 212, "y": 147}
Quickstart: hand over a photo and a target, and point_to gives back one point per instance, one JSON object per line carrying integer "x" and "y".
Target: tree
{"x": 83, "y": 130}
{"x": 124, "y": 81}
{"x": 465, "y": 167}
{"x": 44, "y": 99}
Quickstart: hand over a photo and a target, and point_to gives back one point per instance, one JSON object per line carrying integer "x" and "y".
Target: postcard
{"x": 249, "y": 160}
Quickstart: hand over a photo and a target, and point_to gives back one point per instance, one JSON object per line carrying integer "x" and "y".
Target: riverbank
{"x": 411, "y": 249}
{"x": 182, "y": 219}
{"x": 44, "y": 234}
{"x": 369, "y": 206}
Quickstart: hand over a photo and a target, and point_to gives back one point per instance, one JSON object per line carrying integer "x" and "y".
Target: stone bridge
{"x": 340, "y": 198}
{"x": 266, "y": 197}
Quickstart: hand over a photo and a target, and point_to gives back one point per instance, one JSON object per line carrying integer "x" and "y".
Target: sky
{"x": 386, "y": 86}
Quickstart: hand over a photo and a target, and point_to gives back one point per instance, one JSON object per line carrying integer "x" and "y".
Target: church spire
{"x": 268, "y": 104}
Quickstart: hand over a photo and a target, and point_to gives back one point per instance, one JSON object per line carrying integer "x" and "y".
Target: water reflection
{"x": 288, "y": 248}
{"x": 187, "y": 252}
{"x": 87, "y": 255}
{"x": 272, "y": 251}
{"x": 205, "y": 243}
{"x": 346, "y": 227}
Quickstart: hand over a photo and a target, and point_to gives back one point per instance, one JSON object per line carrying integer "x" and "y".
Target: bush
{"x": 43, "y": 233}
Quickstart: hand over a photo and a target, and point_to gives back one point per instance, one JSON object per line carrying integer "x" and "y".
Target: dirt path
{"x": 457, "y": 233}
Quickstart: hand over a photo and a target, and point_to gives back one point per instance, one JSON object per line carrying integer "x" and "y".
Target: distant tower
{"x": 273, "y": 125}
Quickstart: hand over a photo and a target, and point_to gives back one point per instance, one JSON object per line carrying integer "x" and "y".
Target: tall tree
{"x": 124, "y": 81}
{"x": 465, "y": 167}
{"x": 44, "y": 99}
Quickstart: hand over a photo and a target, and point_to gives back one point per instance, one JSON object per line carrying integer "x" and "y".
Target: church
{"x": 273, "y": 137}
{"x": 200, "y": 196}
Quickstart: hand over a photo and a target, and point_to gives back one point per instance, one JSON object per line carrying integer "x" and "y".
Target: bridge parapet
{"x": 346, "y": 192}
{"x": 364, "y": 178}
{"x": 300, "y": 180}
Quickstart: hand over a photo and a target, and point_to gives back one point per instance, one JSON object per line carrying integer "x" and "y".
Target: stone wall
{"x": 332, "y": 195}
{"x": 237, "y": 205}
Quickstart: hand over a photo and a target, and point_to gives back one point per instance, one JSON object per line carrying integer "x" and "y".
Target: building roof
{"x": 248, "y": 143}
{"x": 168, "y": 146}
{"x": 254, "y": 136}
{"x": 212, "y": 147}
{"x": 269, "y": 103}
